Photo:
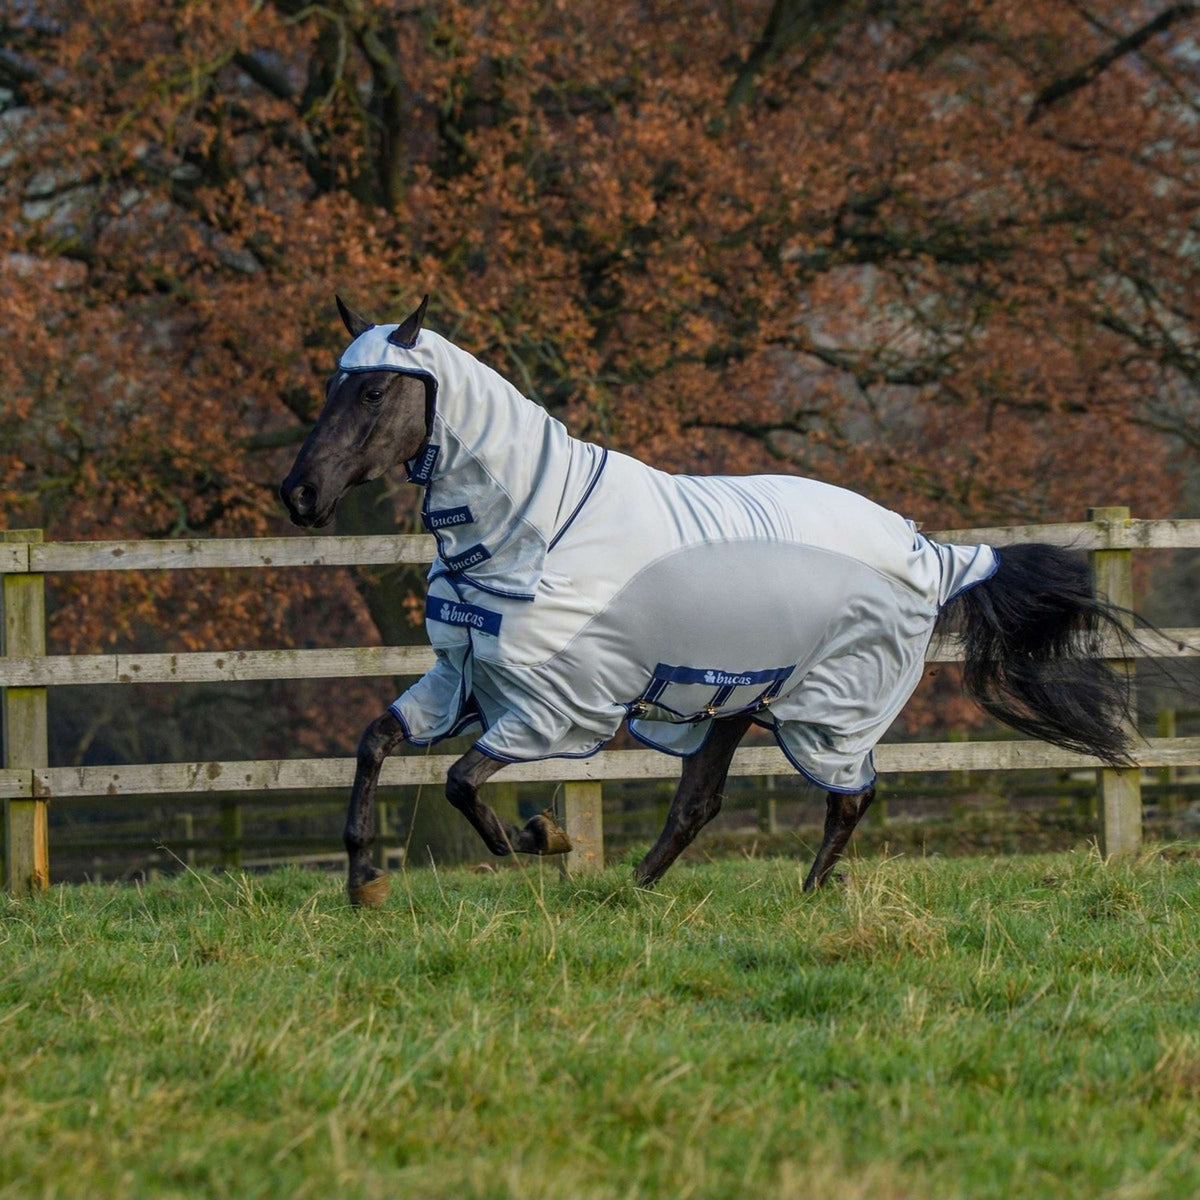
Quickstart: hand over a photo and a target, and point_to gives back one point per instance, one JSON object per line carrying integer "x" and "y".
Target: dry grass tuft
{"x": 881, "y": 920}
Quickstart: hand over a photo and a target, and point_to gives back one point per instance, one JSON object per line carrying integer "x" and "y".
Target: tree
{"x": 940, "y": 252}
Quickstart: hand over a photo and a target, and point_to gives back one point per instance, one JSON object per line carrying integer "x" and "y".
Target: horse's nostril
{"x": 303, "y": 500}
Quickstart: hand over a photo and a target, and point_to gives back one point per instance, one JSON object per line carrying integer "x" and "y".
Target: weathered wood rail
{"x": 28, "y": 783}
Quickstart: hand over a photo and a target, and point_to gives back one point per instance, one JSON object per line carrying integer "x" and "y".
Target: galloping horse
{"x": 576, "y": 588}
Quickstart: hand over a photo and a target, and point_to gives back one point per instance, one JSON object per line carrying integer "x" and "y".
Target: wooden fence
{"x": 28, "y": 783}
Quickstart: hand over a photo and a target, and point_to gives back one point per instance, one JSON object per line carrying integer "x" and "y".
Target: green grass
{"x": 940, "y": 1028}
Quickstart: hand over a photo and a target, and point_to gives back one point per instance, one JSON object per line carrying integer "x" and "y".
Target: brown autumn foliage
{"x": 939, "y": 252}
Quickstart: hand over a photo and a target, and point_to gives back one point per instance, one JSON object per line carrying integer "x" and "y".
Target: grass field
{"x": 940, "y": 1028}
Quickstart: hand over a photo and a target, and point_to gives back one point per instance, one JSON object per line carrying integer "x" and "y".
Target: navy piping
{"x": 400, "y": 717}
{"x": 468, "y": 715}
{"x": 431, "y": 390}
{"x": 582, "y": 499}
{"x": 966, "y": 587}
{"x": 774, "y": 728}
{"x": 455, "y": 577}
{"x": 484, "y": 587}
{"x": 504, "y": 758}
{"x": 665, "y": 749}
{"x": 829, "y": 787}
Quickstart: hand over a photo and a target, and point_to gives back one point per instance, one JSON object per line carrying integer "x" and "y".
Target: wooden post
{"x": 1165, "y": 728}
{"x": 188, "y": 821}
{"x": 878, "y": 812}
{"x": 26, "y": 841}
{"x": 768, "y": 807}
{"x": 231, "y": 835}
{"x": 383, "y": 833}
{"x": 583, "y": 819}
{"x": 1120, "y": 791}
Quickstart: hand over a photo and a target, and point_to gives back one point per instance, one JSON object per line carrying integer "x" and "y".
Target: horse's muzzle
{"x": 301, "y": 502}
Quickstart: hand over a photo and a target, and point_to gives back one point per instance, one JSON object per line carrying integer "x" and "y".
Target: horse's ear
{"x": 355, "y": 324}
{"x": 405, "y": 334}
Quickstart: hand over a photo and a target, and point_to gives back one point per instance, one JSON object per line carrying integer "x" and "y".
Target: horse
{"x": 576, "y": 589}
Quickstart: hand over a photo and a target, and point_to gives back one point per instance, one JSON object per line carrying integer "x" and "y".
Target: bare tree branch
{"x": 789, "y": 23}
{"x": 1065, "y": 85}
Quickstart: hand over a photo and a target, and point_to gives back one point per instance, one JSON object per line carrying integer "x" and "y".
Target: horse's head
{"x": 372, "y": 420}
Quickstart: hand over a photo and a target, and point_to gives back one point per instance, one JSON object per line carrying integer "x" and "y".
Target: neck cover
{"x": 501, "y": 476}
{"x": 575, "y": 588}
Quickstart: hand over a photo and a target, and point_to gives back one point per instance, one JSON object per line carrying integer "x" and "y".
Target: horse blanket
{"x": 576, "y": 587}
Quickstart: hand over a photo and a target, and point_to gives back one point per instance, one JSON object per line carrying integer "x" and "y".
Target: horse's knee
{"x": 378, "y": 741}
{"x": 855, "y": 806}
{"x": 698, "y": 806}
{"x": 845, "y": 809}
{"x": 460, "y": 791}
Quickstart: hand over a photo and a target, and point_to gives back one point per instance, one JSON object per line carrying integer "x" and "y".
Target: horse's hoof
{"x": 370, "y": 894}
{"x": 551, "y": 837}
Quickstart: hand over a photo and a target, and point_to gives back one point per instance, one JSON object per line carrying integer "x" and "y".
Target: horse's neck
{"x": 482, "y": 420}
{"x": 507, "y": 474}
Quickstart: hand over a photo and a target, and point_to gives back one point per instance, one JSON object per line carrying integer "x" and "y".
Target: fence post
{"x": 231, "y": 835}
{"x": 583, "y": 819}
{"x": 768, "y": 807}
{"x": 1120, "y": 798}
{"x": 1165, "y": 728}
{"x": 26, "y": 842}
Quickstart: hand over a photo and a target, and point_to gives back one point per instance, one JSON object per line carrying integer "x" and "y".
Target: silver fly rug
{"x": 576, "y": 587}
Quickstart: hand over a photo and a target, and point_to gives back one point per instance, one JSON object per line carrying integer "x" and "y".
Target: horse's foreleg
{"x": 367, "y": 884}
{"x": 842, "y": 813}
{"x": 697, "y": 799}
{"x": 541, "y": 834}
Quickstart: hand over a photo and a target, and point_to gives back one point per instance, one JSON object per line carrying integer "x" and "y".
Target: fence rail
{"x": 27, "y": 782}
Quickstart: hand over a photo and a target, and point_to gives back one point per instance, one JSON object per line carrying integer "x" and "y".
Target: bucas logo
{"x": 720, "y": 679}
{"x": 451, "y": 516}
{"x": 453, "y": 614}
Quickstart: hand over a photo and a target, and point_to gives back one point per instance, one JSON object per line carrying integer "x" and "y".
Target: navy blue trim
{"x": 966, "y": 587}
{"x": 683, "y": 718}
{"x": 989, "y": 575}
{"x": 454, "y": 578}
{"x": 667, "y": 749}
{"x": 469, "y": 717}
{"x": 664, "y": 673}
{"x": 464, "y": 720}
{"x": 702, "y": 714}
{"x": 582, "y": 499}
{"x": 773, "y": 726}
{"x": 504, "y": 758}
{"x": 408, "y": 737}
{"x": 829, "y": 787}
{"x": 724, "y": 683}
{"x": 431, "y": 390}
{"x": 392, "y": 340}
{"x": 495, "y": 591}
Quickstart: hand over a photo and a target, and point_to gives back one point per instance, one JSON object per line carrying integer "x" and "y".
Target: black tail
{"x": 1031, "y": 638}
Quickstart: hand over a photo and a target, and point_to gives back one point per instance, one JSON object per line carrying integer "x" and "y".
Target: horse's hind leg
{"x": 367, "y": 884}
{"x": 842, "y": 813}
{"x": 541, "y": 834}
{"x": 697, "y": 799}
